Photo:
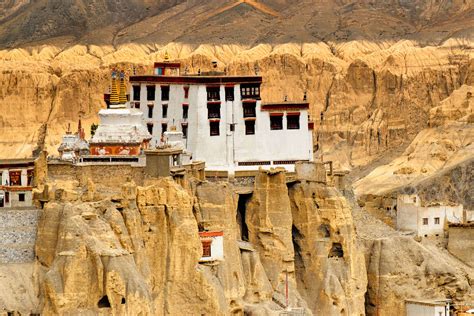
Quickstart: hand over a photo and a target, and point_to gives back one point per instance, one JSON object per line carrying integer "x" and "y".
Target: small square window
{"x": 21, "y": 197}
{"x": 214, "y": 128}
{"x": 206, "y": 248}
{"x": 276, "y": 122}
{"x": 425, "y": 221}
{"x": 250, "y": 127}
{"x": 436, "y": 220}
{"x": 293, "y": 122}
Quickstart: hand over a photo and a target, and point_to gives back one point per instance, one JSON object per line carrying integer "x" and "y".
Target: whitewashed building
{"x": 425, "y": 220}
{"x": 212, "y": 246}
{"x": 427, "y": 308}
{"x": 222, "y": 118}
{"x": 16, "y": 182}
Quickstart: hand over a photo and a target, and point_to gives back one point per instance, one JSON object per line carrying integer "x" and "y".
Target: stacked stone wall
{"x": 18, "y": 229}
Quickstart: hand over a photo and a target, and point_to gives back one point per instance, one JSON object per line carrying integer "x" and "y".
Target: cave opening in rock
{"x": 336, "y": 251}
{"x": 104, "y": 302}
{"x": 123, "y": 301}
{"x": 324, "y": 230}
{"x": 241, "y": 216}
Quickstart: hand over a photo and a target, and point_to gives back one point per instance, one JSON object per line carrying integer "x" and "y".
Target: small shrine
{"x": 121, "y": 131}
{"x": 73, "y": 146}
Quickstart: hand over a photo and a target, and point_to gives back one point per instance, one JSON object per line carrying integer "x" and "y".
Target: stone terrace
{"x": 18, "y": 228}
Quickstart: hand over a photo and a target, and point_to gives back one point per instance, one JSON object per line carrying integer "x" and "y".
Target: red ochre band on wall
{"x": 211, "y": 234}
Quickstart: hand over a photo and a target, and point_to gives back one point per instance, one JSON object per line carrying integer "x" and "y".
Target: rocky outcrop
{"x": 330, "y": 268}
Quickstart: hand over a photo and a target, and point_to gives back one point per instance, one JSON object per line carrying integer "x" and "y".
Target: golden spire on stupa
{"x": 167, "y": 56}
{"x": 123, "y": 89}
{"x": 114, "y": 97}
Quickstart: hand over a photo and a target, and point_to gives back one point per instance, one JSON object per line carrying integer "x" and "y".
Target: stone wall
{"x": 461, "y": 242}
{"x": 103, "y": 174}
{"x": 18, "y": 228}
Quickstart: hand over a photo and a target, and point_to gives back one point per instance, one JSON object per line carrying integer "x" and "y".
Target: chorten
{"x": 121, "y": 130}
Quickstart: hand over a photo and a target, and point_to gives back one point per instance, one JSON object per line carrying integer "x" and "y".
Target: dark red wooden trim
{"x": 167, "y": 65}
{"x": 211, "y": 234}
{"x": 196, "y": 79}
{"x": 276, "y": 114}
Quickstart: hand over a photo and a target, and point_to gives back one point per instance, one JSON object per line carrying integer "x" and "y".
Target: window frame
{"x": 290, "y": 124}
{"x": 148, "y": 93}
{"x": 21, "y": 197}
{"x": 279, "y": 126}
{"x": 425, "y": 221}
{"x": 437, "y": 220}
{"x": 229, "y": 93}
{"x": 150, "y": 111}
{"x": 149, "y": 127}
{"x": 136, "y": 88}
{"x": 249, "y": 123}
{"x": 164, "y": 110}
{"x": 212, "y": 128}
{"x": 165, "y": 93}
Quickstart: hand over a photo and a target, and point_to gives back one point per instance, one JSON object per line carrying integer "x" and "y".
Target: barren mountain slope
{"x": 231, "y": 21}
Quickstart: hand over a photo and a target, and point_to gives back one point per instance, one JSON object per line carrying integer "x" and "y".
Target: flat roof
{"x": 285, "y": 105}
{"x": 432, "y": 302}
{"x": 195, "y": 79}
{"x": 17, "y": 163}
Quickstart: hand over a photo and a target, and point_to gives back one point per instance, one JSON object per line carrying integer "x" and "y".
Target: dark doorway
{"x": 336, "y": 251}
{"x": 241, "y": 216}
{"x": 104, "y": 302}
{"x": 1, "y": 201}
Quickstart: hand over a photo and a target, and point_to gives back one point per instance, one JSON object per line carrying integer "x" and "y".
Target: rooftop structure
{"x": 16, "y": 182}
{"x": 222, "y": 118}
{"x": 425, "y": 220}
{"x": 73, "y": 145}
{"x": 121, "y": 131}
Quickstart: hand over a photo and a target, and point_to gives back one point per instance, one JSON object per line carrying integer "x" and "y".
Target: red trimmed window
{"x": 249, "y": 109}
{"x": 276, "y": 121}
{"x": 213, "y": 93}
{"x": 293, "y": 121}
{"x": 214, "y": 128}
{"x": 206, "y": 248}
{"x": 229, "y": 93}
{"x": 213, "y": 111}
{"x": 250, "y": 127}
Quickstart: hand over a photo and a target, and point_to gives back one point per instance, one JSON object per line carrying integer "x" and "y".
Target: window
{"x": 15, "y": 177}
{"x": 250, "y": 91}
{"x": 214, "y": 128}
{"x": 186, "y": 92}
{"x": 150, "y": 128}
{"x": 165, "y": 93}
{"x": 185, "y": 111}
{"x": 206, "y": 248}
{"x": 21, "y": 197}
{"x": 150, "y": 93}
{"x": 164, "y": 127}
{"x": 249, "y": 127}
{"x": 293, "y": 121}
{"x": 229, "y": 93}
{"x": 425, "y": 221}
{"x": 276, "y": 122}
{"x": 184, "y": 130}
{"x": 7, "y": 197}
{"x": 136, "y": 93}
{"x": 164, "y": 110}
{"x": 437, "y": 220}
{"x": 150, "y": 111}
{"x": 213, "y": 94}
{"x": 249, "y": 109}
{"x": 213, "y": 111}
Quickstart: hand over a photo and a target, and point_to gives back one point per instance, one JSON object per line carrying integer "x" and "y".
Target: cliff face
{"x": 139, "y": 252}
